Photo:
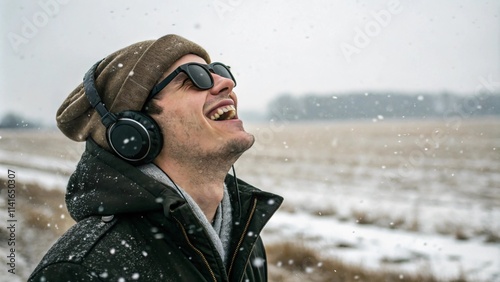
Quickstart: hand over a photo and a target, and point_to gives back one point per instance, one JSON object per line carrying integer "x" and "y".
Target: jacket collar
{"x": 103, "y": 184}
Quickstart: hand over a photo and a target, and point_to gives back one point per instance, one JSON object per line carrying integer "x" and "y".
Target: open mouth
{"x": 223, "y": 113}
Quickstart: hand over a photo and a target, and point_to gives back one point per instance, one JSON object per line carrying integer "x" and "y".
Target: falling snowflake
{"x": 258, "y": 262}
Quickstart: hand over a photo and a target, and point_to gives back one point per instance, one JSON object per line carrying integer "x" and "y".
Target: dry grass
{"x": 42, "y": 217}
{"x": 385, "y": 219}
{"x": 294, "y": 262}
{"x": 48, "y": 209}
{"x": 344, "y": 143}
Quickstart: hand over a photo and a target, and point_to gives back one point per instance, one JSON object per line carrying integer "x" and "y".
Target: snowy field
{"x": 408, "y": 196}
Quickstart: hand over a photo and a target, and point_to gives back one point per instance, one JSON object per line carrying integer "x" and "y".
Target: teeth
{"x": 230, "y": 110}
{"x": 231, "y": 115}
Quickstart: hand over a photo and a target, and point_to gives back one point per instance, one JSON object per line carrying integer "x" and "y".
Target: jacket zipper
{"x": 196, "y": 250}
{"x": 242, "y": 236}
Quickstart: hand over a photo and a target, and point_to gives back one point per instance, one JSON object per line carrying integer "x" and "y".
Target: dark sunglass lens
{"x": 201, "y": 78}
{"x": 222, "y": 71}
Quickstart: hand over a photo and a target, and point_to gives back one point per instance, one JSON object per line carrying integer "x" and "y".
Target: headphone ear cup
{"x": 135, "y": 137}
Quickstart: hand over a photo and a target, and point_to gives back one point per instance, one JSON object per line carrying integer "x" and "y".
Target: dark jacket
{"x": 133, "y": 228}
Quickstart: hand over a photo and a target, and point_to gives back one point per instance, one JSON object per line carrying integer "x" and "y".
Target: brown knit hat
{"x": 123, "y": 80}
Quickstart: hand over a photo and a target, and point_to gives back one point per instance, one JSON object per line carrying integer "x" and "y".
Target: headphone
{"x": 134, "y": 136}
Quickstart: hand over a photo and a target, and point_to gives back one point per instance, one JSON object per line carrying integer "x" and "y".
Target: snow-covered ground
{"x": 385, "y": 195}
{"x": 382, "y": 246}
{"x": 390, "y": 195}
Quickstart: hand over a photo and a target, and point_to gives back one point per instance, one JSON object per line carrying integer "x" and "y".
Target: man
{"x": 152, "y": 196}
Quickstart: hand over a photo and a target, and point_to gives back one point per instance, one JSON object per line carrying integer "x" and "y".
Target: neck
{"x": 204, "y": 182}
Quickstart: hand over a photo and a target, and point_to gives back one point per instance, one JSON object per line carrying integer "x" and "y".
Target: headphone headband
{"x": 107, "y": 118}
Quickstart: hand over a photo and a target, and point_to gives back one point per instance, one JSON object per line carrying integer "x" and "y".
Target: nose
{"x": 222, "y": 85}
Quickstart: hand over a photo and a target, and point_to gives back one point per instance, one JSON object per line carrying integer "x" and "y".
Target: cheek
{"x": 235, "y": 98}
{"x": 181, "y": 122}
{"x": 182, "y": 113}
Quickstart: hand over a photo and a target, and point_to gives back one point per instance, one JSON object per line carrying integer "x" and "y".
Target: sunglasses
{"x": 199, "y": 75}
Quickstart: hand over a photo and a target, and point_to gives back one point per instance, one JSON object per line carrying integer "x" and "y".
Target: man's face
{"x": 188, "y": 128}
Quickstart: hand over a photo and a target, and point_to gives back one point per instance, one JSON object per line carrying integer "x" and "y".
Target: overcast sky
{"x": 273, "y": 47}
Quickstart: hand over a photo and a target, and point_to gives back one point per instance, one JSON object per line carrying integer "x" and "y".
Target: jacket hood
{"x": 102, "y": 184}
